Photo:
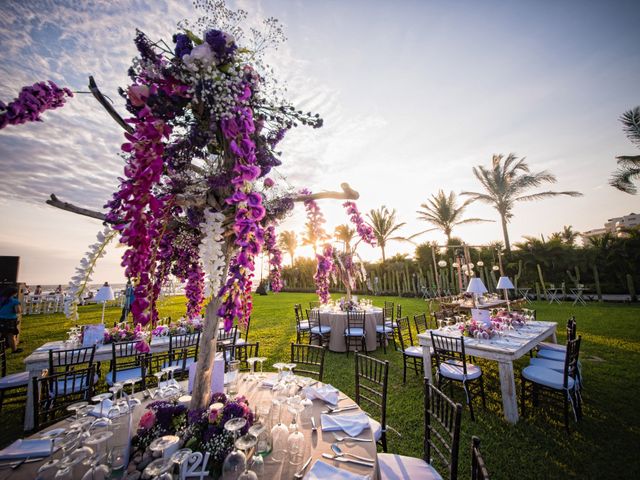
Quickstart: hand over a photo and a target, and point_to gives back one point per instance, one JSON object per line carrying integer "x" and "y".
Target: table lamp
{"x": 104, "y": 295}
{"x": 505, "y": 284}
{"x": 476, "y": 287}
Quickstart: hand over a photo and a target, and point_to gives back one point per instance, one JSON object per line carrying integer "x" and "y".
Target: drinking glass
{"x": 295, "y": 445}
{"x": 280, "y": 367}
{"x": 236, "y": 461}
{"x": 159, "y": 393}
{"x": 100, "y": 398}
{"x": 260, "y": 428}
{"x": 158, "y": 468}
{"x": 76, "y": 407}
{"x": 47, "y": 470}
{"x": 252, "y": 369}
{"x": 233, "y": 371}
{"x": 279, "y": 435}
{"x": 261, "y": 361}
{"x": 246, "y": 443}
{"x": 118, "y": 458}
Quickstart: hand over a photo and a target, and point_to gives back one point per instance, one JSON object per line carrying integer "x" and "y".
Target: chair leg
{"x": 484, "y": 402}
{"x": 469, "y": 402}
{"x": 566, "y": 411}
{"x": 383, "y": 340}
{"x": 364, "y": 345}
{"x": 383, "y": 440}
{"x": 522, "y": 396}
{"x": 348, "y": 343}
{"x": 404, "y": 369}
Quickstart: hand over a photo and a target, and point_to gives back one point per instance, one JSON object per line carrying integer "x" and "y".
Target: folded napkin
{"x": 352, "y": 425}
{"x": 326, "y": 393}
{"x": 269, "y": 382}
{"x": 324, "y": 471}
{"x": 106, "y": 406}
{"x": 27, "y": 449}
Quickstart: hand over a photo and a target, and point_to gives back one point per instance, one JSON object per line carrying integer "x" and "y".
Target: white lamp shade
{"x": 476, "y": 286}
{"x": 104, "y": 294}
{"x": 504, "y": 283}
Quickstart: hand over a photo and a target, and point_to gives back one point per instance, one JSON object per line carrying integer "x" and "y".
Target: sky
{"x": 413, "y": 95}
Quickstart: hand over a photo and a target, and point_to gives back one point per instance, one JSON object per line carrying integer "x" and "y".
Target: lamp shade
{"x": 476, "y": 286}
{"x": 104, "y": 294}
{"x": 504, "y": 283}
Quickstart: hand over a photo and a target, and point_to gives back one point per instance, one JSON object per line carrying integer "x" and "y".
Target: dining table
{"x": 337, "y": 319}
{"x": 317, "y": 442}
{"x": 483, "y": 304}
{"x": 503, "y": 349}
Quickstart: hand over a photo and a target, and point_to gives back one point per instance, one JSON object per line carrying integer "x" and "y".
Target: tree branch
{"x": 108, "y": 106}
{"x": 347, "y": 193}
{"x": 56, "y": 202}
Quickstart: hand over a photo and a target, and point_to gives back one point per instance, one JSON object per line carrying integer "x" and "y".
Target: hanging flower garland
{"x": 32, "y": 101}
{"x": 314, "y": 217}
{"x": 323, "y": 273}
{"x": 365, "y": 232}
{"x": 211, "y": 253}
{"x": 78, "y": 283}
{"x": 275, "y": 258}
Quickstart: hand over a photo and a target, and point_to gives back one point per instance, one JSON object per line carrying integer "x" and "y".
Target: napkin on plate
{"x": 106, "y": 406}
{"x": 326, "y": 393}
{"x": 323, "y": 471}
{"x": 27, "y": 449}
{"x": 352, "y": 425}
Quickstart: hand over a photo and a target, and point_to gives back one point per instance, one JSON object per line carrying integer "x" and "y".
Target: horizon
{"x": 413, "y": 96}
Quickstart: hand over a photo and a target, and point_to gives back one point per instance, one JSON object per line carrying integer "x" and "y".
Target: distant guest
{"x": 59, "y": 290}
{"x": 38, "y": 290}
{"x": 129, "y": 297}
{"x": 9, "y": 310}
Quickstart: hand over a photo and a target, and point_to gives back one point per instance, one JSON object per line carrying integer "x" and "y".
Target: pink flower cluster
{"x": 142, "y": 211}
{"x": 249, "y": 234}
{"x": 314, "y": 216}
{"x": 275, "y": 258}
{"x": 364, "y": 231}
{"x": 323, "y": 273}
{"x": 32, "y": 101}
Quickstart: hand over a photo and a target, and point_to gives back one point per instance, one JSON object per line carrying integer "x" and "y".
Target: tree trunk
{"x": 507, "y": 245}
{"x": 383, "y": 256}
{"x": 207, "y": 354}
{"x": 291, "y": 259}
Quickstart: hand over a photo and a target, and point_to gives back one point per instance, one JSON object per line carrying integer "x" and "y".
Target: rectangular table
{"x": 504, "y": 351}
{"x": 486, "y": 305}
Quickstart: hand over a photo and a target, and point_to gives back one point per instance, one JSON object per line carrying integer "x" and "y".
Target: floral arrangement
{"x": 201, "y": 430}
{"x": 181, "y": 327}
{"x": 126, "y": 333}
{"x": 348, "y": 305}
{"x": 510, "y": 319}
{"x": 365, "y": 232}
{"x": 32, "y": 101}
{"x": 275, "y": 258}
{"x": 475, "y": 329}
{"x": 323, "y": 273}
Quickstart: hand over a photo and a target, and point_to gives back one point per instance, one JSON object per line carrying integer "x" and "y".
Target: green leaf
{"x": 193, "y": 37}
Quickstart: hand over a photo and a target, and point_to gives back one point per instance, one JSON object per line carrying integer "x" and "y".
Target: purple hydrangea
{"x": 184, "y": 45}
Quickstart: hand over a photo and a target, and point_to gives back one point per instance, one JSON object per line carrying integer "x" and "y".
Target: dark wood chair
{"x": 372, "y": 378}
{"x": 227, "y": 338}
{"x": 183, "y": 350}
{"x": 13, "y": 387}
{"x": 452, "y": 366}
{"x": 410, "y": 352}
{"x": 309, "y": 360}
{"x": 244, "y": 332}
{"x": 127, "y": 363}
{"x": 242, "y": 353}
{"x": 302, "y": 323}
{"x": 442, "y": 419}
{"x": 565, "y": 384}
{"x": 52, "y": 394}
{"x": 318, "y": 330}
{"x": 71, "y": 359}
{"x": 421, "y": 323}
{"x": 355, "y": 331}
{"x": 478, "y": 469}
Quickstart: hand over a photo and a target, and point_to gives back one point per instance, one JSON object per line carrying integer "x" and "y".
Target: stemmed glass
{"x": 173, "y": 387}
{"x": 280, "y": 367}
{"x": 236, "y": 461}
{"x": 132, "y": 400}
{"x": 260, "y": 428}
{"x": 246, "y": 443}
{"x": 98, "y": 461}
{"x": 261, "y": 361}
{"x": 76, "y": 407}
{"x": 159, "y": 468}
{"x": 100, "y": 398}
{"x": 279, "y": 435}
{"x": 159, "y": 393}
{"x": 252, "y": 369}
{"x": 295, "y": 441}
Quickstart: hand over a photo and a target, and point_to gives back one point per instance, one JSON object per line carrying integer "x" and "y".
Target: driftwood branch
{"x": 69, "y": 207}
{"x": 347, "y": 193}
{"x": 107, "y": 105}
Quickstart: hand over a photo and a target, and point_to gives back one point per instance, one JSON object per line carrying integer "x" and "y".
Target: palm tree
{"x": 384, "y": 223}
{"x": 313, "y": 236}
{"x": 444, "y": 212}
{"x": 568, "y": 235}
{"x": 628, "y": 165}
{"x": 288, "y": 242}
{"x": 506, "y": 182}
{"x": 345, "y": 234}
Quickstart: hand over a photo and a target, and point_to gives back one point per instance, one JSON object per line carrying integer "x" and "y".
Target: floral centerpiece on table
{"x": 510, "y": 319}
{"x": 348, "y": 305}
{"x": 475, "y": 329}
{"x": 127, "y": 333}
{"x": 200, "y": 430}
{"x": 180, "y": 327}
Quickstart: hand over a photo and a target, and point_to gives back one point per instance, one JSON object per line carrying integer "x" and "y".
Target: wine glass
{"x": 246, "y": 443}
{"x": 158, "y": 468}
{"x": 295, "y": 443}
{"x": 179, "y": 457}
{"x": 101, "y": 397}
{"x": 252, "y": 369}
{"x": 76, "y": 407}
{"x": 159, "y": 392}
{"x": 236, "y": 461}
{"x": 279, "y": 435}
{"x": 261, "y": 361}
{"x": 47, "y": 470}
{"x": 132, "y": 400}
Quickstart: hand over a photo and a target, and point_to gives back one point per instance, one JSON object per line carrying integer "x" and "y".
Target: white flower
{"x": 201, "y": 55}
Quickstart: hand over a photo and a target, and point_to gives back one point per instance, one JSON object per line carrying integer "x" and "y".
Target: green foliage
{"x": 536, "y": 447}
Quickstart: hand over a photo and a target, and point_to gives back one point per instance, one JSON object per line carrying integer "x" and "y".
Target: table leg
{"x": 426, "y": 360}
{"x": 508, "y": 388}
{"x": 28, "y": 412}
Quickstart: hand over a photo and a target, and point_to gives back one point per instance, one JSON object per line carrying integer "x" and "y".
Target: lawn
{"x": 604, "y": 445}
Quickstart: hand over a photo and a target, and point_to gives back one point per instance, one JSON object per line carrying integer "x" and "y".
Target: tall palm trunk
{"x": 291, "y": 259}
{"x": 507, "y": 245}
{"x": 383, "y": 256}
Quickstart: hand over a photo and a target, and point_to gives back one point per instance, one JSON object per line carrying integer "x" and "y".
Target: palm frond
{"x": 474, "y": 220}
{"x": 631, "y": 121}
{"x": 622, "y": 179}
{"x": 541, "y": 195}
{"x": 628, "y": 161}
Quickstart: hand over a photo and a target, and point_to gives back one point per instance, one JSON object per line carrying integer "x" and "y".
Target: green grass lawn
{"x": 604, "y": 445}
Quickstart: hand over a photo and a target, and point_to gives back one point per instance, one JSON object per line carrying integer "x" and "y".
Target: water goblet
{"x": 295, "y": 444}
{"x": 158, "y": 468}
{"x": 118, "y": 458}
{"x": 247, "y": 443}
{"x": 101, "y": 397}
{"x": 76, "y": 407}
{"x": 236, "y": 461}
{"x": 279, "y": 435}
{"x": 233, "y": 372}
{"x": 252, "y": 369}
{"x": 261, "y": 361}
{"x": 280, "y": 367}
{"x": 159, "y": 392}
{"x": 47, "y": 470}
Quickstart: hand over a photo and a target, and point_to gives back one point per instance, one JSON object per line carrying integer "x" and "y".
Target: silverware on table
{"x": 313, "y": 425}
{"x": 340, "y": 409}
{"x": 300, "y": 473}
{"x": 347, "y": 460}
{"x": 340, "y": 438}
{"x": 339, "y": 453}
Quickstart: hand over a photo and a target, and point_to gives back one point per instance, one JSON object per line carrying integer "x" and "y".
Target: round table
{"x": 315, "y": 443}
{"x": 337, "y": 320}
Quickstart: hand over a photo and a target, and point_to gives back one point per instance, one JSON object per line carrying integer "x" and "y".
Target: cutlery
{"x": 354, "y": 439}
{"x": 15, "y": 465}
{"x": 341, "y": 409}
{"x": 347, "y": 460}
{"x": 339, "y": 453}
{"x": 300, "y": 473}
{"x": 313, "y": 425}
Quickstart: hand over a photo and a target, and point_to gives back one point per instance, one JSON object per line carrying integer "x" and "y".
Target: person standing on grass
{"x": 9, "y": 310}
{"x": 129, "y": 296}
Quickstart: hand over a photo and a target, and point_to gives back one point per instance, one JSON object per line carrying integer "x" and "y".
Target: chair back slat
{"x": 398, "y": 311}
{"x": 125, "y": 356}
{"x": 71, "y": 359}
{"x": 297, "y": 309}
{"x": 571, "y": 360}
{"x": 387, "y": 312}
{"x": 404, "y": 333}
{"x": 228, "y": 338}
{"x": 190, "y": 341}
{"x": 313, "y": 305}
{"x": 355, "y": 319}
{"x": 372, "y": 377}
{"x": 441, "y": 430}
{"x": 241, "y": 352}
{"x": 309, "y": 360}
{"x": 449, "y": 349}
{"x": 478, "y": 468}
{"x": 315, "y": 319}
{"x": 421, "y": 323}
